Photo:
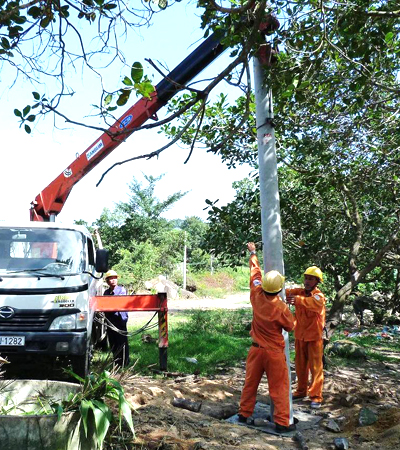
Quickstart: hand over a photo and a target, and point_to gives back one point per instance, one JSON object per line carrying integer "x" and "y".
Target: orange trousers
{"x": 309, "y": 359}
{"x": 273, "y": 363}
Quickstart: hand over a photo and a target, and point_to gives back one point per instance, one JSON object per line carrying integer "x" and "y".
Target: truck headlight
{"x": 76, "y": 321}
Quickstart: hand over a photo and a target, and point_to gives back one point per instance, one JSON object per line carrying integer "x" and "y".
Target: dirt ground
{"x": 347, "y": 392}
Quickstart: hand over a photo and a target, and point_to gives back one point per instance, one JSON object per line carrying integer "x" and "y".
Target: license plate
{"x": 12, "y": 341}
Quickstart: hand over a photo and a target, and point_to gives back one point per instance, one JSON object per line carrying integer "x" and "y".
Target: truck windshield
{"x": 52, "y": 251}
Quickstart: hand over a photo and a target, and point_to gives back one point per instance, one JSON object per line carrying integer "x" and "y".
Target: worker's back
{"x": 270, "y": 317}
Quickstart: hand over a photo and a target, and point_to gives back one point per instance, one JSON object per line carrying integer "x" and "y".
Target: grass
{"x": 215, "y": 339}
{"x": 374, "y": 344}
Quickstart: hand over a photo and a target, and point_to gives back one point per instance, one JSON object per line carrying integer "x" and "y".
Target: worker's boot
{"x": 296, "y": 396}
{"x": 247, "y": 420}
{"x": 282, "y": 429}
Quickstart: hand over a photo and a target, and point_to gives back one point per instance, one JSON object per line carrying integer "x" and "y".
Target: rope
{"x": 111, "y": 326}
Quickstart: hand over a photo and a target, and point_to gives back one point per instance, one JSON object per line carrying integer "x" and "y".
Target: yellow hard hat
{"x": 273, "y": 282}
{"x": 110, "y": 273}
{"x": 315, "y": 272}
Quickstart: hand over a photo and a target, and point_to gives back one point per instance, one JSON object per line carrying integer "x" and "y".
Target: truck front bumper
{"x": 48, "y": 343}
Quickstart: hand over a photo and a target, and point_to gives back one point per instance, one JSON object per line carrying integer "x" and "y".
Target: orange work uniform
{"x": 267, "y": 354}
{"x": 310, "y": 321}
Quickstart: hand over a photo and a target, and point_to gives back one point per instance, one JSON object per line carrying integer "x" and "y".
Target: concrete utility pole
{"x": 269, "y": 192}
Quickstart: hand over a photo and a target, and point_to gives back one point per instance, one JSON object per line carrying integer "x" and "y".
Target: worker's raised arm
{"x": 255, "y": 271}
{"x": 314, "y": 302}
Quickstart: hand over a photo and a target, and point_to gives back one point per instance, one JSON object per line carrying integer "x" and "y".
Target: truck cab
{"x": 49, "y": 278}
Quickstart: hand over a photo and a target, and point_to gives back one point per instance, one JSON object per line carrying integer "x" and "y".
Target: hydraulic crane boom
{"x": 51, "y": 200}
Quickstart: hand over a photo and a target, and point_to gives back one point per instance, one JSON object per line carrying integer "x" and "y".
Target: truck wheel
{"x": 80, "y": 364}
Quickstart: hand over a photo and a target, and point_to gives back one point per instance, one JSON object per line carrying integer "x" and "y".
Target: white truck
{"x": 49, "y": 277}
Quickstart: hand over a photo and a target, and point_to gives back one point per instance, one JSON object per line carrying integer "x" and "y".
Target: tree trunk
{"x": 334, "y": 315}
{"x": 396, "y": 294}
{"x": 357, "y": 277}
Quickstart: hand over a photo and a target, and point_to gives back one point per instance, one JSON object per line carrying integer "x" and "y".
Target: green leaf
{"x": 124, "y": 97}
{"x": 17, "y": 112}
{"x": 31, "y": 118}
{"x": 20, "y": 19}
{"x": 34, "y": 12}
{"x": 5, "y": 43}
{"x": 108, "y": 99}
{"x": 304, "y": 84}
{"x": 64, "y": 11}
{"x": 45, "y": 21}
{"x": 146, "y": 89}
{"x": 27, "y": 129}
{"x": 110, "y": 6}
{"x": 137, "y": 72}
{"x": 36, "y": 95}
{"x": 86, "y": 406}
{"x": 162, "y": 4}
{"x": 26, "y": 110}
{"x": 126, "y": 412}
{"x": 389, "y": 37}
{"x": 58, "y": 409}
{"x": 127, "y": 81}
{"x": 102, "y": 420}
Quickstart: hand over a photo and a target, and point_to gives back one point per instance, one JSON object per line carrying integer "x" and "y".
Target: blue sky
{"x": 31, "y": 162}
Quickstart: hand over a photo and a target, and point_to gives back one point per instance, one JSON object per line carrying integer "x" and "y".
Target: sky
{"x": 31, "y": 162}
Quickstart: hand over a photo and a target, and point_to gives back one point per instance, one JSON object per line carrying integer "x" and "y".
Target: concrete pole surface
{"x": 269, "y": 192}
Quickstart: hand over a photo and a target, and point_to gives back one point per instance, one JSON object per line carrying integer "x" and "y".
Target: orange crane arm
{"x": 51, "y": 200}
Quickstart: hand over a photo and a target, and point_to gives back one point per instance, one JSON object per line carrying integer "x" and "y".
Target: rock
{"x": 390, "y": 433}
{"x": 371, "y": 309}
{"x": 341, "y": 443}
{"x": 350, "y": 318}
{"x": 341, "y": 420}
{"x": 161, "y": 284}
{"x": 300, "y": 439}
{"x": 191, "y": 360}
{"x": 346, "y": 349}
{"x": 331, "y": 425}
{"x": 186, "y": 404}
{"x": 219, "y": 410}
{"x": 184, "y": 294}
{"x": 148, "y": 339}
{"x": 366, "y": 417}
{"x": 368, "y": 318}
{"x": 261, "y": 422}
{"x": 347, "y": 400}
{"x": 391, "y": 319}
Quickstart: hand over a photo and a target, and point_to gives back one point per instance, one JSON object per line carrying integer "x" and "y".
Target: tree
{"x": 69, "y": 28}
{"x": 195, "y": 231}
{"x": 336, "y": 93}
{"x": 42, "y": 41}
{"x": 137, "y": 235}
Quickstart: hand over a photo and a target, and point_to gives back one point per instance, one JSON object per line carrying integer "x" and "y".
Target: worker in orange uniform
{"x": 309, "y": 305}
{"x": 267, "y": 353}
